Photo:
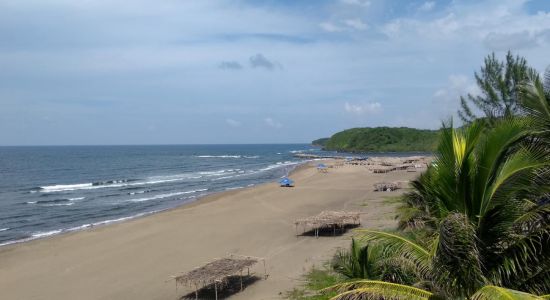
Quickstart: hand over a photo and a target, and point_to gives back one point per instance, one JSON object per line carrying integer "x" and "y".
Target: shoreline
{"x": 135, "y": 259}
{"x": 92, "y": 226}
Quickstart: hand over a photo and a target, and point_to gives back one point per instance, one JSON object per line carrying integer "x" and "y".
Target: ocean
{"x": 50, "y": 190}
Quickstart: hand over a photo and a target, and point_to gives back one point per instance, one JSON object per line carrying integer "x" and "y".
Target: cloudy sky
{"x": 237, "y": 71}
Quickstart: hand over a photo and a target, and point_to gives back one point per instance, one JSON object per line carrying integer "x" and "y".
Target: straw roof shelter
{"x": 217, "y": 273}
{"x": 328, "y": 219}
{"x": 386, "y": 186}
{"x": 381, "y": 169}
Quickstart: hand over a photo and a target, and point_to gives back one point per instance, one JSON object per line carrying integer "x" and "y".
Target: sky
{"x": 82, "y": 72}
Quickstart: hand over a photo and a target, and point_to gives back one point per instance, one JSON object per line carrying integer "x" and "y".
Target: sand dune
{"x": 136, "y": 259}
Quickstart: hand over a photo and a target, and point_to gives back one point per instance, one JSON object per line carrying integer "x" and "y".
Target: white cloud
{"x": 393, "y": 28}
{"x": 448, "y": 98}
{"x": 364, "y": 3}
{"x": 356, "y": 24}
{"x": 148, "y": 46}
{"x": 233, "y": 123}
{"x": 365, "y": 108}
{"x": 499, "y": 25}
{"x": 427, "y": 6}
{"x": 272, "y": 123}
{"x": 327, "y": 26}
{"x": 515, "y": 40}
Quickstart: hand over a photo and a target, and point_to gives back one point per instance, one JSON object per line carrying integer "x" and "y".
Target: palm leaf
{"x": 525, "y": 261}
{"x": 491, "y": 292}
{"x": 402, "y": 247}
{"x": 517, "y": 172}
{"x": 372, "y": 289}
{"x": 494, "y": 164}
{"x": 535, "y": 101}
{"x": 458, "y": 261}
{"x": 534, "y": 216}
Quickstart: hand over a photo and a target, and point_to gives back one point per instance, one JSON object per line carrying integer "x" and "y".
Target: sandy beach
{"x": 137, "y": 259}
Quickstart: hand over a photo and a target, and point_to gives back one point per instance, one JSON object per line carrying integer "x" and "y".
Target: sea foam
{"x": 162, "y": 196}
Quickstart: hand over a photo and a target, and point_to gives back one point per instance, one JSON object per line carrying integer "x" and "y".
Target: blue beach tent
{"x": 286, "y": 182}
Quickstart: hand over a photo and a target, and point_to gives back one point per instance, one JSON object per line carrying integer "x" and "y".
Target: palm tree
{"x": 368, "y": 261}
{"x": 358, "y": 262}
{"x": 535, "y": 102}
{"x": 485, "y": 230}
{"x": 371, "y": 289}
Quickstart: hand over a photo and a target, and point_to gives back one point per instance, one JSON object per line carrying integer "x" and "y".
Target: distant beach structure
{"x": 328, "y": 220}
{"x": 218, "y": 273}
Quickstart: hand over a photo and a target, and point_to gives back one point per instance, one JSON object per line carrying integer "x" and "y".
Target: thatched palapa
{"x": 329, "y": 219}
{"x": 386, "y": 186}
{"x": 217, "y": 272}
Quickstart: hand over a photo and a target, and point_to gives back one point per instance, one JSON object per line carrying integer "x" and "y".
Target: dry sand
{"x": 136, "y": 259}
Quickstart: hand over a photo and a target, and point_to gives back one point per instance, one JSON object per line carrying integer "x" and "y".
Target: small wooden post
{"x": 216, "y": 289}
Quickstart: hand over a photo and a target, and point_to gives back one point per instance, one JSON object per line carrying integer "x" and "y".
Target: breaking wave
{"x": 162, "y": 196}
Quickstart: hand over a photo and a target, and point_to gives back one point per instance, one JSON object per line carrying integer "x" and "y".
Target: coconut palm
{"x": 535, "y": 101}
{"x": 371, "y": 289}
{"x": 358, "y": 262}
{"x": 486, "y": 231}
{"x": 368, "y": 261}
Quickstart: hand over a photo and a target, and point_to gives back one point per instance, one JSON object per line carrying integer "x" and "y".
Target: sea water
{"x": 50, "y": 190}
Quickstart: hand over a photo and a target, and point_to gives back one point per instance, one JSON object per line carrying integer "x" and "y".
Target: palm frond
{"x": 372, "y": 289}
{"x": 533, "y": 216}
{"x": 517, "y": 172}
{"x": 538, "y": 283}
{"x": 535, "y": 101}
{"x": 533, "y": 96}
{"x": 491, "y": 292}
{"x": 360, "y": 261}
{"x": 523, "y": 260}
{"x": 401, "y": 246}
{"x": 458, "y": 260}
{"x": 491, "y": 155}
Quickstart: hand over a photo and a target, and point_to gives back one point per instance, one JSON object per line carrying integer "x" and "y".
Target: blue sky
{"x": 187, "y": 72}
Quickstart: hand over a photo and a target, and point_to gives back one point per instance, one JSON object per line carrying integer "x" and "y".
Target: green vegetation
{"x": 320, "y": 142}
{"x": 476, "y": 224}
{"x": 383, "y": 139}
{"x": 484, "y": 229}
{"x": 499, "y": 83}
{"x": 315, "y": 281}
